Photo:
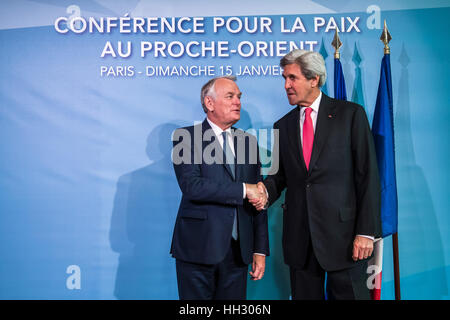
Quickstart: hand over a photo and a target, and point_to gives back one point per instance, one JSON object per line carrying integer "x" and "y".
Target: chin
{"x": 233, "y": 120}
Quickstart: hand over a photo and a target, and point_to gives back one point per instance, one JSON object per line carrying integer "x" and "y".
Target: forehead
{"x": 292, "y": 69}
{"x": 225, "y": 86}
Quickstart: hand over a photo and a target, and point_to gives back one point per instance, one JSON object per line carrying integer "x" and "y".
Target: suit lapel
{"x": 295, "y": 141}
{"x": 323, "y": 128}
{"x": 218, "y": 148}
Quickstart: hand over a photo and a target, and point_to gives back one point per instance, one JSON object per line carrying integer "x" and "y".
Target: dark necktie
{"x": 229, "y": 161}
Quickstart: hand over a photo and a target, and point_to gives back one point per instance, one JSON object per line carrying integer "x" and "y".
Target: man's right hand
{"x": 256, "y": 194}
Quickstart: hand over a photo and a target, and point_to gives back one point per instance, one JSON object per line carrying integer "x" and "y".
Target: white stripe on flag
{"x": 374, "y": 270}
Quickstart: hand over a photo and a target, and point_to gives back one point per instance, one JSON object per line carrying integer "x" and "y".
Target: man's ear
{"x": 209, "y": 103}
{"x": 315, "y": 82}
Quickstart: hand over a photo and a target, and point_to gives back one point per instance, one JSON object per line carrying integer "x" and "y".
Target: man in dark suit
{"x": 218, "y": 233}
{"x": 332, "y": 203}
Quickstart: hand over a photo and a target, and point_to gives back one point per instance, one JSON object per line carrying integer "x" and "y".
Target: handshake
{"x": 256, "y": 195}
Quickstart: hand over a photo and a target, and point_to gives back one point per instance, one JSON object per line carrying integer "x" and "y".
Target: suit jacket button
{"x": 308, "y": 185}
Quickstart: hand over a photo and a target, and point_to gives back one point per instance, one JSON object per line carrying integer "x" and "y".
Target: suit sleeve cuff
{"x": 368, "y": 237}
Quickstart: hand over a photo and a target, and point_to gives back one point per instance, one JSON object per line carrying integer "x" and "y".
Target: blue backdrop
{"x": 88, "y": 195}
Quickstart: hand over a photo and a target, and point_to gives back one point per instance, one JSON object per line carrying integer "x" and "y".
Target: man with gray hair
{"x": 329, "y": 169}
{"x": 218, "y": 233}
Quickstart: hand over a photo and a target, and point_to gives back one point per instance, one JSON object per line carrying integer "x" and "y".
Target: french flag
{"x": 383, "y": 134}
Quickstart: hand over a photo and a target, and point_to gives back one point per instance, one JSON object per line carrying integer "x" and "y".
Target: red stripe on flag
{"x": 376, "y": 292}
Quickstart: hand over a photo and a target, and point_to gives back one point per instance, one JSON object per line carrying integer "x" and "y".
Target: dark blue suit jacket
{"x": 211, "y": 196}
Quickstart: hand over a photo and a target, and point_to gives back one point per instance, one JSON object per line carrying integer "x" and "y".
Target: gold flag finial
{"x": 336, "y": 44}
{"x": 386, "y": 37}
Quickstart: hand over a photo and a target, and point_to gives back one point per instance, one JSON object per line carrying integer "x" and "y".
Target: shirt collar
{"x": 315, "y": 105}
{"x": 216, "y": 128}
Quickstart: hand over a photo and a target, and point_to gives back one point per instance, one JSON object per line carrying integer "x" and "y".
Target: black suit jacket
{"x": 203, "y": 227}
{"x": 339, "y": 197}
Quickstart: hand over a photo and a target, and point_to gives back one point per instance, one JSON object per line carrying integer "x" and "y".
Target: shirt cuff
{"x": 260, "y": 254}
{"x": 245, "y": 191}
{"x": 368, "y": 237}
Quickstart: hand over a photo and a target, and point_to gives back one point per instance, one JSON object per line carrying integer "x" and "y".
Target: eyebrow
{"x": 232, "y": 93}
{"x": 288, "y": 75}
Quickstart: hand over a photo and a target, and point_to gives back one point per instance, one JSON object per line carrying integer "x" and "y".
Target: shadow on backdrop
{"x": 324, "y": 53}
{"x": 358, "y": 87}
{"x": 346, "y": 57}
{"x": 420, "y": 243}
{"x": 144, "y": 212}
{"x": 275, "y": 284}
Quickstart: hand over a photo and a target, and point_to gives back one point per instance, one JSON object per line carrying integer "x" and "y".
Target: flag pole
{"x": 385, "y": 38}
{"x": 340, "y": 92}
{"x": 336, "y": 44}
{"x": 396, "y": 266}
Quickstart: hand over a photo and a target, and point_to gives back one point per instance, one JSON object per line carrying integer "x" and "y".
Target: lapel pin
{"x": 330, "y": 116}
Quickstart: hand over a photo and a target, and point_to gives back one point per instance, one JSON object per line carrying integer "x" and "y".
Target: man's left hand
{"x": 258, "y": 266}
{"x": 362, "y": 248}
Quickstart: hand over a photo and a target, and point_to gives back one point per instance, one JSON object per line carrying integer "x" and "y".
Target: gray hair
{"x": 209, "y": 89}
{"x": 311, "y": 64}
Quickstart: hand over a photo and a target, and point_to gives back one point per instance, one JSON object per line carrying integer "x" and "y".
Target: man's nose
{"x": 287, "y": 84}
